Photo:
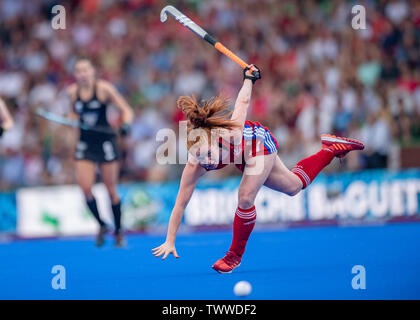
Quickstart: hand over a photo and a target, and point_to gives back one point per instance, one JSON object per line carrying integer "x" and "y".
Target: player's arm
{"x": 192, "y": 172}
{"x": 71, "y": 93}
{"x": 6, "y": 120}
{"x": 244, "y": 97}
{"x": 116, "y": 98}
{"x": 68, "y": 98}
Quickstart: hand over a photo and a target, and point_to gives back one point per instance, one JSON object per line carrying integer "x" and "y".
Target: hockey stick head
{"x": 181, "y": 18}
{"x": 163, "y": 13}
{"x": 187, "y": 22}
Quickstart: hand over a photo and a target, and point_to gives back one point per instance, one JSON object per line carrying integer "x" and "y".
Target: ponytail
{"x": 211, "y": 114}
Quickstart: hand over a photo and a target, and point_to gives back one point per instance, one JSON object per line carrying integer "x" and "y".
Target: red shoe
{"x": 229, "y": 262}
{"x": 340, "y": 146}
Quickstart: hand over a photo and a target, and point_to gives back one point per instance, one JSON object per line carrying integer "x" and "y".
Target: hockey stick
{"x": 75, "y": 124}
{"x": 181, "y": 18}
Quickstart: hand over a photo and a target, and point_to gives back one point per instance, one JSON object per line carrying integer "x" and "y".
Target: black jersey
{"x": 93, "y": 145}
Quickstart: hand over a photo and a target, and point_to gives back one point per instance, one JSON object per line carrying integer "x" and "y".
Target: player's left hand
{"x": 165, "y": 249}
{"x": 125, "y": 129}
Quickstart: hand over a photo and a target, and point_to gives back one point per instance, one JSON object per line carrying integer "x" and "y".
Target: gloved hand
{"x": 252, "y": 72}
{"x": 125, "y": 129}
{"x": 1, "y": 131}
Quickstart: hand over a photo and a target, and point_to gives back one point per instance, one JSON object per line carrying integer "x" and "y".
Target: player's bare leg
{"x": 86, "y": 174}
{"x": 256, "y": 172}
{"x": 110, "y": 173}
{"x": 282, "y": 179}
{"x": 292, "y": 181}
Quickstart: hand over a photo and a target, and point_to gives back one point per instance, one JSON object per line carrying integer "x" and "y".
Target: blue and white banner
{"x": 350, "y": 197}
{"x": 362, "y": 196}
{"x": 365, "y": 195}
{"x": 61, "y": 210}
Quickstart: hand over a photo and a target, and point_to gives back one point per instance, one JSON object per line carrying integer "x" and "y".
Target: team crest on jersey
{"x": 90, "y": 118}
{"x": 94, "y": 104}
{"x": 78, "y": 106}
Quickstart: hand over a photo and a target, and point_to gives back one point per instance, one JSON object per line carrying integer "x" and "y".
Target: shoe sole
{"x": 342, "y": 141}
{"x": 226, "y": 271}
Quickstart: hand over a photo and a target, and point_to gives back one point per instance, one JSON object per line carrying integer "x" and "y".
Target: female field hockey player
{"x": 255, "y": 155}
{"x": 6, "y": 120}
{"x": 90, "y": 98}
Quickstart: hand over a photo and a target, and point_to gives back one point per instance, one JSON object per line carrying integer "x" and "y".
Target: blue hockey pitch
{"x": 302, "y": 263}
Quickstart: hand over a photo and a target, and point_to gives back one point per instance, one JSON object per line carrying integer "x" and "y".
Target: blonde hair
{"x": 211, "y": 114}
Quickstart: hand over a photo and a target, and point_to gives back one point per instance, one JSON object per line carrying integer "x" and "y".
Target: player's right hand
{"x": 165, "y": 249}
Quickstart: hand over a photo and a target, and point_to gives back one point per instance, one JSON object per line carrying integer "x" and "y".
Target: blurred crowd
{"x": 319, "y": 75}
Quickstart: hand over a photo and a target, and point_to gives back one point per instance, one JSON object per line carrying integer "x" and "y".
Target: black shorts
{"x": 97, "y": 151}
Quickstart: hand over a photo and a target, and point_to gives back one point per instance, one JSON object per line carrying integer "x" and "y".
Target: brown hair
{"x": 85, "y": 58}
{"x": 211, "y": 114}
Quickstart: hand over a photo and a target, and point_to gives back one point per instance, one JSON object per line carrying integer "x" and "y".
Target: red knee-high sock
{"x": 242, "y": 227}
{"x": 308, "y": 168}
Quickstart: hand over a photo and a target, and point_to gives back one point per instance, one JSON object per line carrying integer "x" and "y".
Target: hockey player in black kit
{"x": 90, "y": 99}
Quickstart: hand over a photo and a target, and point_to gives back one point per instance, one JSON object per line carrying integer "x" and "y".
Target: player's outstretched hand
{"x": 252, "y": 72}
{"x": 165, "y": 249}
